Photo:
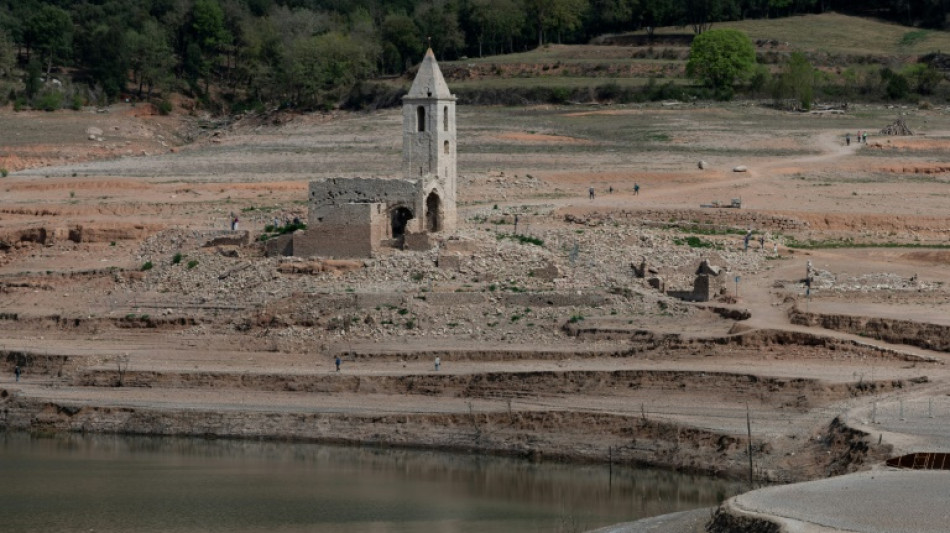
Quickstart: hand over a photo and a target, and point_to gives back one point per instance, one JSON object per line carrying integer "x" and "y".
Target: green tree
{"x": 557, "y": 15}
{"x": 700, "y": 14}
{"x": 720, "y": 58}
{"x": 405, "y": 44}
{"x": 208, "y": 36}
{"x": 262, "y": 61}
{"x": 108, "y": 59}
{"x": 567, "y": 15}
{"x": 652, "y": 13}
{"x": 31, "y": 78}
{"x": 207, "y": 25}
{"x": 924, "y": 77}
{"x": 496, "y": 23}
{"x": 439, "y": 20}
{"x": 49, "y": 30}
{"x": 796, "y": 82}
{"x": 610, "y": 15}
{"x": 7, "y": 55}
{"x": 895, "y": 84}
{"x": 322, "y": 69}
{"x": 150, "y": 57}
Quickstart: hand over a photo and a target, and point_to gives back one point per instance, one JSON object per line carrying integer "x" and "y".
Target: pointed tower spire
{"x": 429, "y": 82}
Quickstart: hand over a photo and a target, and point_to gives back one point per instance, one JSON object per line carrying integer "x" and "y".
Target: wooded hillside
{"x": 309, "y": 54}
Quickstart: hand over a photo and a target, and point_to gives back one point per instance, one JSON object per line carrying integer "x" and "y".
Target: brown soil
{"x": 567, "y": 367}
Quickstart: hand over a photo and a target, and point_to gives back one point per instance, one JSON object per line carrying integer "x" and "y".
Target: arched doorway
{"x": 433, "y": 213}
{"x": 399, "y": 218}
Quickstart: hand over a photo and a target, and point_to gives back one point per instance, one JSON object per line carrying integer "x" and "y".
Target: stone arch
{"x": 399, "y": 218}
{"x": 421, "y": 118}
{"x": 433, "y": 212}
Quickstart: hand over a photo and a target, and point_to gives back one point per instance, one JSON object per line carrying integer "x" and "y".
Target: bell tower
{"x": 429, "y": 143}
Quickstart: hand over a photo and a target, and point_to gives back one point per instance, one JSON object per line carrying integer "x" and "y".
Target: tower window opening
{"x": 445, "y": 118}
{"x": 421, "y": 118}
{"x": 446, "y": 147}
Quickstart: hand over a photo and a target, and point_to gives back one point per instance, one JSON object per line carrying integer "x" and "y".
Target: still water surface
{"x": 109, "y": 484}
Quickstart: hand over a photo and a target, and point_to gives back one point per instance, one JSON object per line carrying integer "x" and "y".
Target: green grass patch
{"x": 912, "y": 38}
{"x": 706, "y": 230}
{"x": 696, "y": 242}
{"x": 523, "y": 239}
{"x": 851, "y": 243}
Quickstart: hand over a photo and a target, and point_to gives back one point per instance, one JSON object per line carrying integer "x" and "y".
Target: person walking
{"x": 16, "y": 372}
{"x": 438, "y": 363}
{"x": 847, "y": 139}
{"x": 590, "y": 193}
{"x": 337, "y": 361}
{"x": 636, "y": 189}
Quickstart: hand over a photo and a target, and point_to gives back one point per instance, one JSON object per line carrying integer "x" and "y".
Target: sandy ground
{"x": 155, "y": 185}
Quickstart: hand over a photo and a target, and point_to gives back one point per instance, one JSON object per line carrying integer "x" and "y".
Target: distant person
{"x": 636, "y": 189}
{"x": 865, "y": 137}
{"x": 276, "y": 223}
{"x": 847, "y": 138}
{"x": 16, "y": 372}
{"x": 337, "y": 361}
{"x": 746, "y": 239}
{"x": 610, "y": 190}
{"x": 762, "y": 242}
{"x": 438, "y": 363}
{"x": 590, "y": 193}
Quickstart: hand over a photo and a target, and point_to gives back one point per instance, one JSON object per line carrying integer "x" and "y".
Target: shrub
{"x": 164, "y": 107}
{"x": 49, "y": 101}
{"x": 192, "y": 264}
{"x": 4, "y": 172}
{"x": 177, "y": 258}
{"x": 147, "y": 266}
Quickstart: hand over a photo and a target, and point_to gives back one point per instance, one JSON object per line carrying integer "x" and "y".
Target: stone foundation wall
{"x": 736, "y": 218}
{"x": 347, "y": 230}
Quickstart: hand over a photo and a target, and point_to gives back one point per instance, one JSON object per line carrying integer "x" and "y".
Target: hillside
{"x": 851, "y": 51}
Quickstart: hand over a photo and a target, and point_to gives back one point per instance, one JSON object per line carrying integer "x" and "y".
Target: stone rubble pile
{"x": 407, "y": 294}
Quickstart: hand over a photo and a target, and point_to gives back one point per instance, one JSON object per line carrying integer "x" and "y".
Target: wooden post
{"x": 610, "y": 462}
{"x": 748, "y": 425}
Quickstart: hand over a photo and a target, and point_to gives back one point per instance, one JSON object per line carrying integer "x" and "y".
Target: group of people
{"x": 862, "y": 137}
{"x": 591, "y": 193}
{"x": 749, "y": 237}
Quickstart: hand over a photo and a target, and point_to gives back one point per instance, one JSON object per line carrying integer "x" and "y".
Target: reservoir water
{"x": 109, "y": 484}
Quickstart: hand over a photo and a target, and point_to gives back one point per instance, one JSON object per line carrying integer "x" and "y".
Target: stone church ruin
{"x": 355, "y": 217}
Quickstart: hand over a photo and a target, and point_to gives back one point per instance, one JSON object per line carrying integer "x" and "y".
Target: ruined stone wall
{"x": 327, "y": 194}
{"x": 737, "y": 218}
{"x": 346, "y": 230}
